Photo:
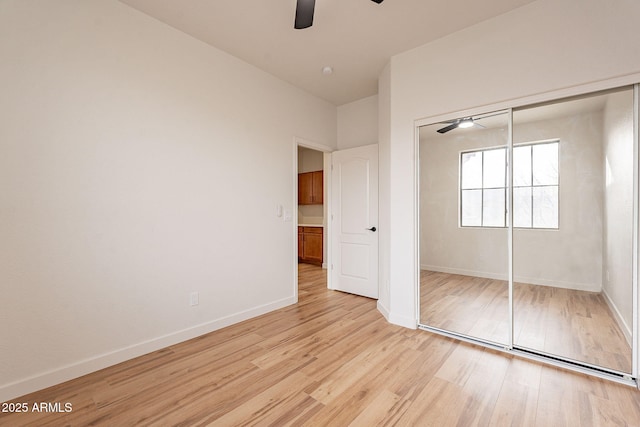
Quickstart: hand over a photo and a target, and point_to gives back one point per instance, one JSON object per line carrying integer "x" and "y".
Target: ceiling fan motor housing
{"x": 304, "y": 13}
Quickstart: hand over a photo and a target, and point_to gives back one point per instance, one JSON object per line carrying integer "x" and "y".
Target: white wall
{"x": 136, "y": 165}
{"x": 443, "y": 245}
{"x": 358, "y": 123}
{"x": 569, "y": 257}
{"x": 384, "y": 208}
{"x": 618, "y": 189}
{"x": 545, "y": 46}
{"x": 310, "y": 160}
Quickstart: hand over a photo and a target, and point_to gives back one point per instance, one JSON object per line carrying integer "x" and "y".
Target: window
{"x": 483, "y": 186}
{"x": 535, "y": 185}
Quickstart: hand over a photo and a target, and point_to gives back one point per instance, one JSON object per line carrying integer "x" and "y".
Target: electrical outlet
{"x": 194, "y": 298}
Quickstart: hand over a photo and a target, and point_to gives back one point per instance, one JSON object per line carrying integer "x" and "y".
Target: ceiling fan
{"x": 304, "y": 13}
{"x": 467, "y": 122}
{"x": 463, "y": 123}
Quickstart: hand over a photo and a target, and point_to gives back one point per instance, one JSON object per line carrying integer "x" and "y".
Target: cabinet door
{"x": 305, "y": 188}
{"x": 300, "y": 244}
{"x": 317, "y": 187}
{"x": 312, "y": 245}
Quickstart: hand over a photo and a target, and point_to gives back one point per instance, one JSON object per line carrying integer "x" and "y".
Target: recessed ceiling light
{"x": 327, "y": 71}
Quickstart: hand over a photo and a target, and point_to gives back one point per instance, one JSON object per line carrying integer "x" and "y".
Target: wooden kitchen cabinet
{"x": 310, "y": 188}
{"x": 310, "y": 245}
{"x": 300, "y": 243}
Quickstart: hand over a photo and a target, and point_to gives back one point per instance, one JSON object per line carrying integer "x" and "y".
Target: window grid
{"x": 482, "y": 188}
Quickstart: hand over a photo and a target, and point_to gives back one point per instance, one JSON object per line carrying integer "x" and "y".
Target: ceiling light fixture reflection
{"x": 463, "y": 123}
{"x": 466, "y": 123}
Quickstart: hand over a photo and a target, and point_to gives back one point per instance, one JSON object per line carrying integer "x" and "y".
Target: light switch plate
{"x": 194, "y": 298}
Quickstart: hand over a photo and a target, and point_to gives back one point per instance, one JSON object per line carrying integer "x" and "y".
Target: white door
{"x": 354, "y": 215}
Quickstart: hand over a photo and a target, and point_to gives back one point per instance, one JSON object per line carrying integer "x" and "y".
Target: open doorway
{"x": 312, "y": 200}
{"x": 311, "y": 207}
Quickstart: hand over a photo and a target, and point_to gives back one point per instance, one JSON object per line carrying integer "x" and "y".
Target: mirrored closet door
{"x": 463, "y": 227}
{"x": 573, "y": 229}
{"x": 527, "y": 229}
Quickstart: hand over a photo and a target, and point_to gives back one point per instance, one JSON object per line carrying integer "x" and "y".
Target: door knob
{"x": 372, "y": 229}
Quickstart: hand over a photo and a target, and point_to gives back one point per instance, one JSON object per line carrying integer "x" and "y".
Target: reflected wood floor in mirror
{"x": 332, "y": 360}
{"x": 574, "y": 324}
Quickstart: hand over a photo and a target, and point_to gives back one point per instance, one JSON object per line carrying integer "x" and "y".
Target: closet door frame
{"x": 511, "y": 348}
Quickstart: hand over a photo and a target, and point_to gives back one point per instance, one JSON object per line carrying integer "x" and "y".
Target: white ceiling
{"x": 355, "y": 37}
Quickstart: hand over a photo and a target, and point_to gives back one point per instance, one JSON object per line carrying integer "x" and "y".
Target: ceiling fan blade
{"x": 304, "y": 14}
{"x": 446, "y": 129}
{"x": 378, "y": 1}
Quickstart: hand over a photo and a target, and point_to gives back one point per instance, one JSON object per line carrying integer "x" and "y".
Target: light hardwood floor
{"x": 574, "y": 324}
{"x": 332, "y": 360}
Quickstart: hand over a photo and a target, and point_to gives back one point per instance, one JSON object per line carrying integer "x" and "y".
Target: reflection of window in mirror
{"x": 483, "y": 186}
{"x": 535, "y": 185}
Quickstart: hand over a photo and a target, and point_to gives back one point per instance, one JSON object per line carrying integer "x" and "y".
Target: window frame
{"x": 506, "y": 188}
{"x": 482, "y": 188}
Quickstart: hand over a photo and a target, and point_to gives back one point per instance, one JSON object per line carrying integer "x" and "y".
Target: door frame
{"x": 326, "y": 241}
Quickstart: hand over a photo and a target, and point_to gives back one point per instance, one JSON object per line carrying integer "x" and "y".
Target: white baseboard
{"x": 406, "y": 322}
{"x": 65, "y": 373}
{"x": 463, "y": 272}
{"x": 626, "y": 330}
{"x": 396, "y": 320}
{"x": 588, "y": 287}
{"x": 382, "y": 309}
